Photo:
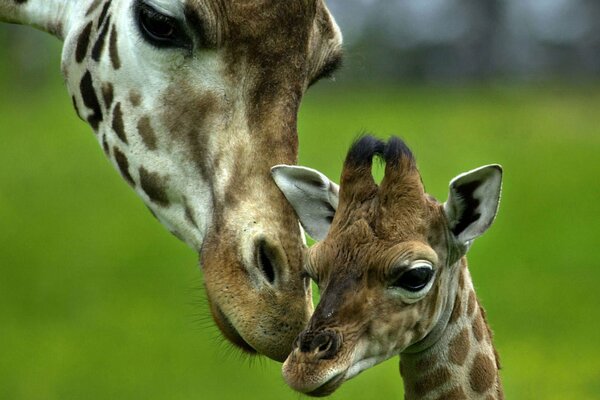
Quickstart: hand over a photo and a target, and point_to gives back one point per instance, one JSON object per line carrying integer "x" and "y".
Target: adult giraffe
{"x": 193, "y": 101}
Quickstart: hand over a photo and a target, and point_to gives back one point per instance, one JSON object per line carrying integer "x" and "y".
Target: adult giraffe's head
{"x": 193, "y": 101}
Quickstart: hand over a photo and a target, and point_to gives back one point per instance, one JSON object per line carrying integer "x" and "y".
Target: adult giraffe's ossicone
{"x": 193, "y": 101}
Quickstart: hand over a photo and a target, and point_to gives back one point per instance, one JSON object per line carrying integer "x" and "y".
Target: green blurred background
{"x": 98, "y": 301}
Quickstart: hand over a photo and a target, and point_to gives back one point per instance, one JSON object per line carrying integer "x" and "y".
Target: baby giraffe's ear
{"x": 313, "y": 196}
{"x": 473, "y": 202}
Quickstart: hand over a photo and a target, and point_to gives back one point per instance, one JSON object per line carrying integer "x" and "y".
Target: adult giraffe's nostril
{"x": 320, "y": 345}
{"x": 267, "y": 260}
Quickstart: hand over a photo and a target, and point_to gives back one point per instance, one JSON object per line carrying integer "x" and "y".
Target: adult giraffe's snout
{"x": 252, "y": 264}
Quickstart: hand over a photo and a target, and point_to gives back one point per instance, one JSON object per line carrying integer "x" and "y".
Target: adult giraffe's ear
{"x": 473, "y": 202}
{"x": 314, "y": 197}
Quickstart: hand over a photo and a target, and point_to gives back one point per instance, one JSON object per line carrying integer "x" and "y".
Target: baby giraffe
{"x": 393, "y": 276}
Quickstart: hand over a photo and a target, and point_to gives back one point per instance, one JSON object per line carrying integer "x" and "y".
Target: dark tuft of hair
{"x": 364, "y": 149}
{"x": 397, "y": 152}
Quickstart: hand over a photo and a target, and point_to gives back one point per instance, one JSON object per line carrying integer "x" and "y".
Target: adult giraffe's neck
{"x": 52, "y": 16}
{"x": 463, "y": 363}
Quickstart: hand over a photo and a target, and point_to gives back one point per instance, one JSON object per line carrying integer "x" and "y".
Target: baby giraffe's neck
{"x": 463, "y": 364}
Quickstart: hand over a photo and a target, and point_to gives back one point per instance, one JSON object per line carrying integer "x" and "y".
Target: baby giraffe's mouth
{"x": 328, "y": 387}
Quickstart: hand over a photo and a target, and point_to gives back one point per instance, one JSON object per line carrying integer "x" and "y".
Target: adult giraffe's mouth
{"x": 229, "y": 331}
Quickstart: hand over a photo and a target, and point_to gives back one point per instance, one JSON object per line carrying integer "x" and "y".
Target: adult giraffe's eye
{"x": 415, "y": 280}
{"x": 159, "y": 29}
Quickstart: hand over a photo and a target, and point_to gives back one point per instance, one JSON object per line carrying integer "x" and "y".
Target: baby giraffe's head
{"x": 387, "y": 261}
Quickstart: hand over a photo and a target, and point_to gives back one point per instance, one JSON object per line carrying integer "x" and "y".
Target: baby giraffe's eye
{"x": 415, "y": 281}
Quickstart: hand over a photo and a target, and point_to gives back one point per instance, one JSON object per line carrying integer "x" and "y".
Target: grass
{"x": 98, "y": 301}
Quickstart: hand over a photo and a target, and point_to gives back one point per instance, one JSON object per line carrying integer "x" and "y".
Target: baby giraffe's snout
{"x": 318, "y": 345}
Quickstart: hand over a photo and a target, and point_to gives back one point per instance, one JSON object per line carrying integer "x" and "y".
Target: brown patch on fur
{"x": 103, "y": 13}
{"x": 83, "y": 42}
{"x": 471, "y": 304}
{"x": 90, "y": 99}
{"x": 98, "y": 48}
{"x": 459, "y": 347}
{"x": 153, "y": 185}
{"x": 108, "y": 94}
{"x": 113, "y": 50}
{"x": 123, "y": 165}
{"x": 456, "y": 393}
{"x": 135, "y": 97}
{"x": 478, "y": 328}
{"x": 117, "y": 123}
{"x": 456, "y": 311}
{"x": 461, "y": 280}
{"x": 146, "y": 132}
{"x": 431, "y": 381}
{"x": 483, "y": 373}
{"x": 186, "y": 116}
{"x": 105, "y": 145}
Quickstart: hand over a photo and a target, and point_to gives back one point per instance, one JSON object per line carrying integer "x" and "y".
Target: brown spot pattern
{"x": 117, "y": 123}
{"x": 113, "y": 51}
{"x": 99, "y": 45}
{"x": 471, "y": 304}
{"x": 456, "y": 393}
{"x": 135, "y": 98}
{"x": 103, "y": 13}
{"x": 153, "y": 185}
{"x": 459, "y": 347}
{"x": 108, "y": 94}
{"x": 105, "y": 146}
{"x": 483, "y": 373}
{"x": 146, "y": 132}
{"x": 431, "y": 381}
{"x": 456, "y": 310}
{"x": 88, "y": 94}
{"x": 83, "y": 42}
{"x": 123, "y": 165}
{"x": 478, "y": 328}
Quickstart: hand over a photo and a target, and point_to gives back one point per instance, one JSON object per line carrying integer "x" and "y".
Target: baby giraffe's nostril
{"x": 321, "y": 345}
{"x": 325, "y": 346}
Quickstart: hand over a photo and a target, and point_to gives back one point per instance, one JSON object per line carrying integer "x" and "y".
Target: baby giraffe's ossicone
{"x": 393, "y": 276}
